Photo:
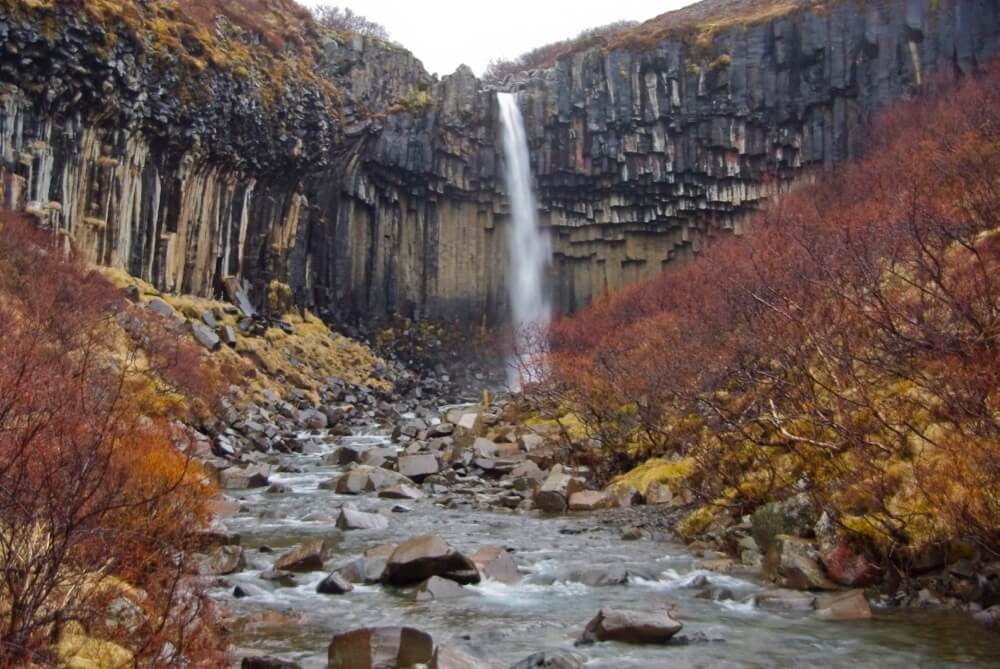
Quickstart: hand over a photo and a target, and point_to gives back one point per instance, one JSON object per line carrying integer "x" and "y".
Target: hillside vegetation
{"x": 847, "y": 348}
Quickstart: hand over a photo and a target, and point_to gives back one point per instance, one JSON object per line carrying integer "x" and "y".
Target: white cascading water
{"x": 529, "y": 251}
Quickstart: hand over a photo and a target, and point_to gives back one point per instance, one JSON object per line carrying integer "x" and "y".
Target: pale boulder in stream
{"x": 380, "y": 648}
{"x": 629, "y": 626}
{"x": 419, "y": 558}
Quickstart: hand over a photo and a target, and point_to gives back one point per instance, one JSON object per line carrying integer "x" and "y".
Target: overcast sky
{"x": 446, "y": 33}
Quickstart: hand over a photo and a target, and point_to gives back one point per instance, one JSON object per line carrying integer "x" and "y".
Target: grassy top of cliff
{"x": 270, "y": 43}
{"x": 696, "y": 24}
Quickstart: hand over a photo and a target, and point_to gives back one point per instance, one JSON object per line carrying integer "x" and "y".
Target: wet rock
{"x": 355, "y": 482}
{"x": 364, "y": 570}
{"x": 380, "y": 648}
{"x": 345, "y": 455}
{"x": 225, "y": 560}
{"x": 785, "y": 600}
{"x": 848, "y": 567}
{"x": 628, "y": 626}
{"x": 310, "y": 556}
{"x": 623, "y": 497}
{"x": 588, "y": 500}
{"x": 553, "y": 496}
{"x": 794, "y": 563}
{"x": 401, "y": 491}
{"x": 439, "y": 588}
{"x": 401, "y": 508}
{"x": 419, "y": 558}
{"x": 267, "y": 663}
{"x": 285, "y": 579}
{"x": 550, "y": 660}
{"x": 278, "y": 489}
{"x": 243, "y": 479}
{"x": 631, "y": 534}
{"x": 484, "y": 448}
{"x": 496, "y": 564}
{"x": 448, "y": 657}
{"x": 850, "y": 605}
{"x": 379, "y": 457}
{"x": 598, "y": 576}
{"x": 418, "y": 467}
{"x": 989, "y": 617}
{"x": 334, "y": 584}
{"x": 352, "y": 519}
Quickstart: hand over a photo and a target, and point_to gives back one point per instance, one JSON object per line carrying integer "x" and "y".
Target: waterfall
{"x": 528, "y": 249}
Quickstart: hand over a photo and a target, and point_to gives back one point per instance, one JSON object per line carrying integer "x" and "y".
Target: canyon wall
{"x": 393, "y": 203}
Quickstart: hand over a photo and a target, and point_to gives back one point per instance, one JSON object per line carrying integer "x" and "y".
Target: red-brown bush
{"x": 847, "y": 345}
{"x": 94, "y": 492}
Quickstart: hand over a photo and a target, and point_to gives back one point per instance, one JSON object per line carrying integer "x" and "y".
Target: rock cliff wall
{"x": 383, "y": 196}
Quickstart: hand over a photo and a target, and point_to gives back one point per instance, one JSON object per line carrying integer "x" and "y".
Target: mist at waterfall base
{"x": 529, "y": 253}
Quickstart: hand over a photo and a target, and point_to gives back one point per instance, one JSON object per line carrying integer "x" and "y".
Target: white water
{"x": 529, "y": 251}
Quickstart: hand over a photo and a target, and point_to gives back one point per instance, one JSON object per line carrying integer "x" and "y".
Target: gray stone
{"x": 351, "y": 519}
{"x": 419, "y": 558}
{"x": 334, "y": 584}
{"x": 418, "y": 467}
{"x": 627, "y": 626}
{"x": 380, "y": 648}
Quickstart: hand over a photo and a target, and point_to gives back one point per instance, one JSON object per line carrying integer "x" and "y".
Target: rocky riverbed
{"x": 443, "y": 536}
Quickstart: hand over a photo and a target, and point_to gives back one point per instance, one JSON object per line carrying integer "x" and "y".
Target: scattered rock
{"x": 496, "y": 564}
{"x": 401, "y": 491}
{"x": 439, "y": 588}
{"x": 206, "y": 336}
{"x": 380, "y": 648}
{"x": 310, "y": 556}
{"x": 785, "y": 600}
{"x": 419, "y": 558}
{"x": 418, "y": 467}
{"x": 225, "y": 560}
{"x": 448, "y": 657}
{"x": 794, "y": 562}
{"x": 351, "y": 519}
{"x": 588, "y": 500}
{"x": 234, "y": 478}
{"x": 848, "y": 567}
{"x": 334, "y": 584}
{"x": 794, "y": 517}
{"x": 553, "y": 496}
{"x": 629, "y": 626}
{"x": 849, "y": 605}
{"x": 550, "y": 660}
{"x": 267, "y": 663}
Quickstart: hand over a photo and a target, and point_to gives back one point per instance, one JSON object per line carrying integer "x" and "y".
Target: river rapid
{"x": 564, "y": 559}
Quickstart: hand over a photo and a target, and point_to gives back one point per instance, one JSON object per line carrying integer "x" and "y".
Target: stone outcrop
{"x": 390, "y": 202}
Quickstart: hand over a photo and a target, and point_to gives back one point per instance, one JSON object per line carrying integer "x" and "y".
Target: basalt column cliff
{"x": 187, "y": 144}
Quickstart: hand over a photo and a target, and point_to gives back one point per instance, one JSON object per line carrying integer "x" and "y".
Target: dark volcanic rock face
{"x": 385, "y": 197}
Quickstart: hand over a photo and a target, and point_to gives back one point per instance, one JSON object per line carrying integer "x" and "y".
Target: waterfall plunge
{"x": 529, "y": 252}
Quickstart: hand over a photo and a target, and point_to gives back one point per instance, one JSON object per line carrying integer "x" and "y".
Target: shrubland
{"x": 100, "y": 502}
{"x": 845, "y": 348}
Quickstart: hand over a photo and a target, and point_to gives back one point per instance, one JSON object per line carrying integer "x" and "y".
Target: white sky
{"x": 446, "y": 33}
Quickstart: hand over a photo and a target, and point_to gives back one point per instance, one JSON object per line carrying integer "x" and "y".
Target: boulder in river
{"x": 449, "y": 657}
{"x": 439, "y": 588}
{"x": 310, "y": 556}
{"x": 225, "y": 560}
{"x": 247, "y": 478}
{"x": 785, "y": 600}
{"x": 419, "y": 558}
{"x": 849, "y": 605}
{"x": 550, "y": 660}
{"x": 401, "y": 491}
{"x": 380, "y": 648}
{"x": 267, "y": 663}
{"x": 334, "y": 584}
{"x": 354, "y": 482}
{"x": 352, "y": 519}
{"x": 629, "y": 626}
{"x": 495, "y": 563}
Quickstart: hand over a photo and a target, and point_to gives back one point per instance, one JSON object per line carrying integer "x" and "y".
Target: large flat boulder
{"x": 419, "y": 558}
{"x": 629, "y": 626}
{"x": 310, "y": 556}
{"x": 352, "y": 519}
{"x": 418, "y": 467}
{"x": 247, "y": 478}
{"x": 496, "y": 564}
{"x": 849, "y": 605}
{"x": 589, "y": 500}
{"x": 553, "y": 496}
{"x": 380, "y": 648}
{"x": 449, "y": 657}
